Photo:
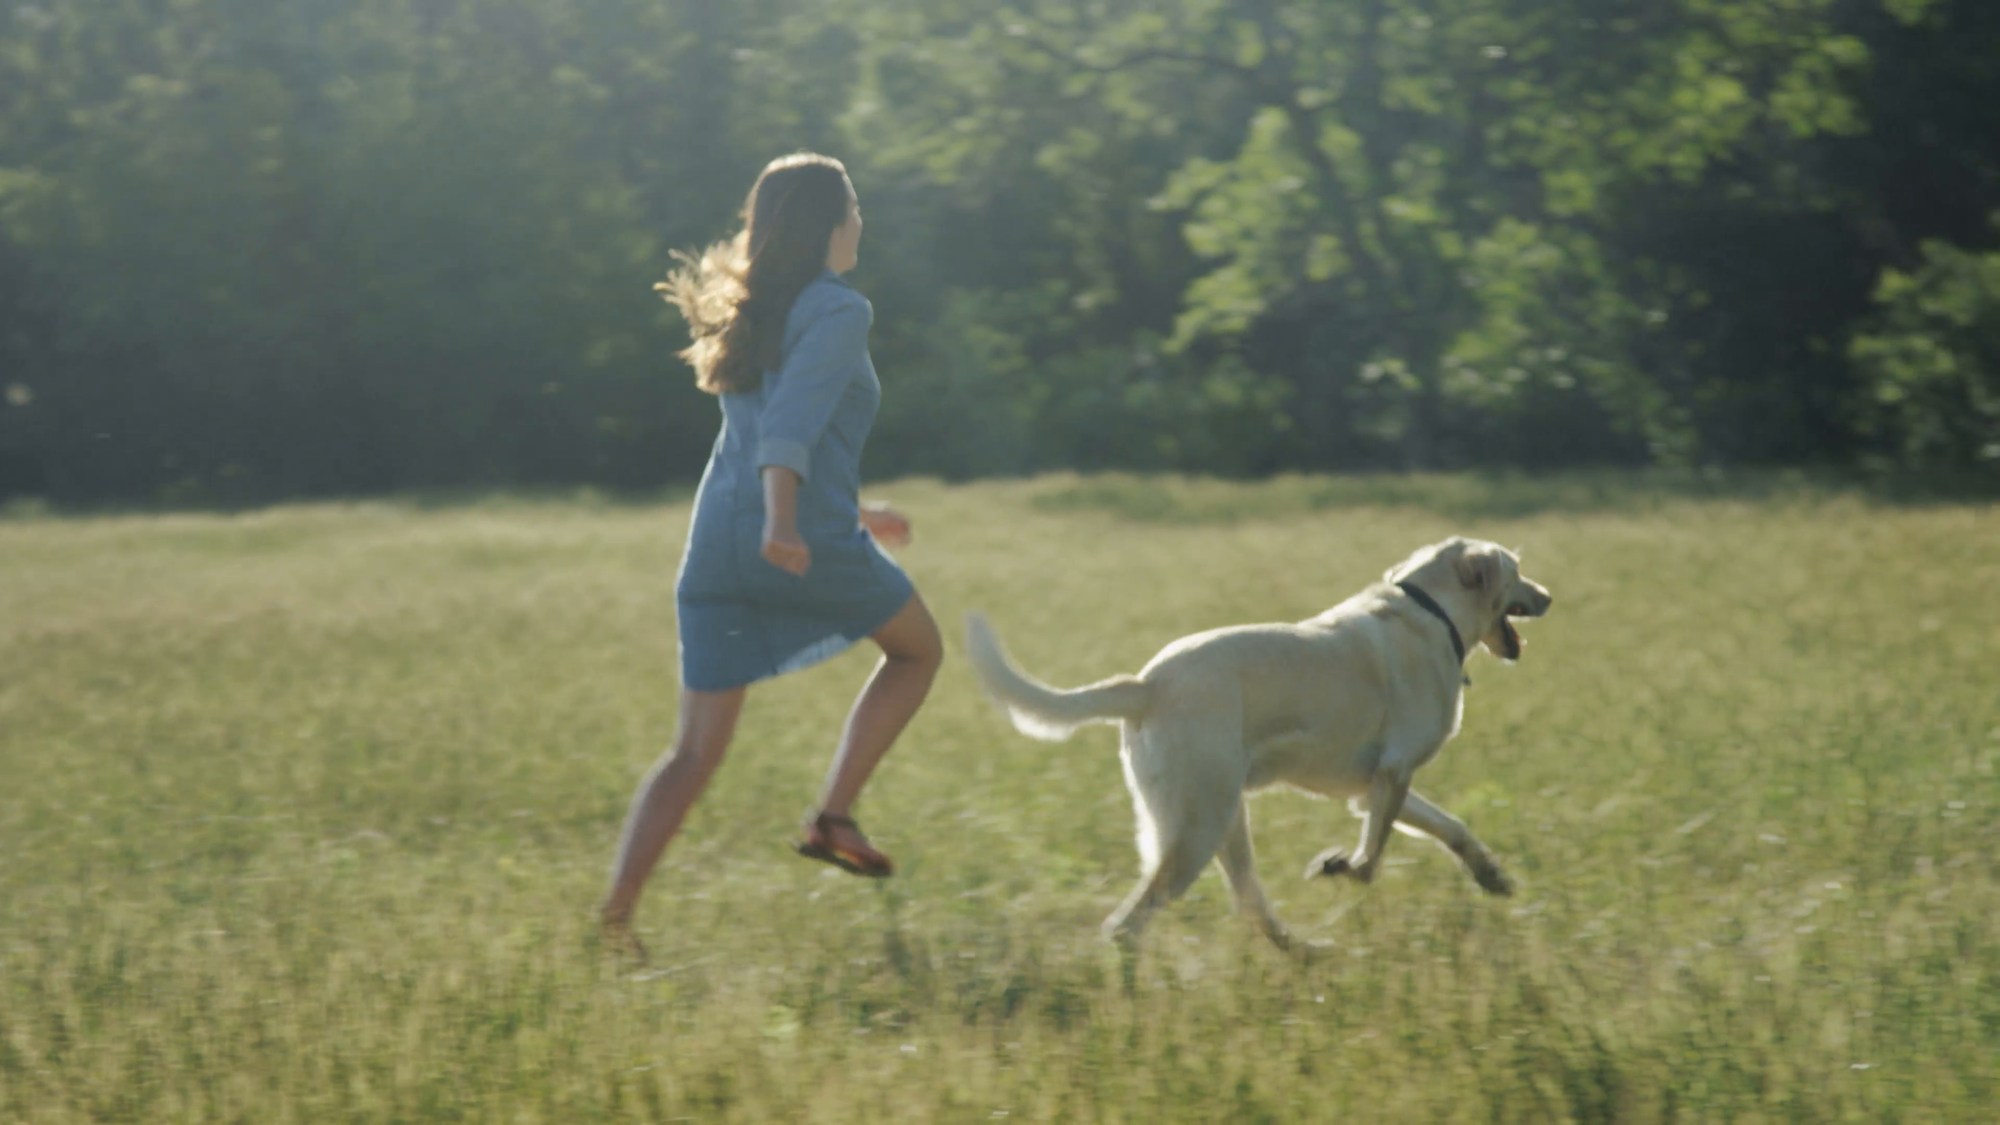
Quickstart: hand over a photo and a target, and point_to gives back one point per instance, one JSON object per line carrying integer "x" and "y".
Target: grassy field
{"x": 303, "y": 813}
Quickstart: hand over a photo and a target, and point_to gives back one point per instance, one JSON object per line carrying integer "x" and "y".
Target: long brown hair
{"x": 736, "y": 296}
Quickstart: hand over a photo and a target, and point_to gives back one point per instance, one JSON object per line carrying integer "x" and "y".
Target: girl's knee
{"x": 915, "y": 640}
{"x": 929, "y": 651}
{"x": 699, "y": 751}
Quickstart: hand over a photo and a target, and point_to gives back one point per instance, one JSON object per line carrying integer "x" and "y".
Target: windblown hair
{"x": 736, "y": 295}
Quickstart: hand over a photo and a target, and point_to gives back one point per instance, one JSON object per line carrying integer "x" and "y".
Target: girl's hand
{"x": 782, "y": 546}
{"x": 785, "y": 550}
{"x": 886, "y": 524}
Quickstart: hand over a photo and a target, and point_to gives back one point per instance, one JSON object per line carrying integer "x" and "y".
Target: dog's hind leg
{"x": 1420, "y": 817}
{"x": 1181, "y": 859}
{"x": 1239, "y": 869}
{"x": 1185, "y": 802}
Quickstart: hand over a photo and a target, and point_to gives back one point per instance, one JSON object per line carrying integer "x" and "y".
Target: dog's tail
{"x": 1039, "y": 710}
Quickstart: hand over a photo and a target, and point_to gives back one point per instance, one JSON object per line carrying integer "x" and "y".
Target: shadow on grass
{"x": 1178, "y": 499}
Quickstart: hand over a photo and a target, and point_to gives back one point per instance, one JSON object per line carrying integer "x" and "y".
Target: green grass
{"x": 303, "y": 813}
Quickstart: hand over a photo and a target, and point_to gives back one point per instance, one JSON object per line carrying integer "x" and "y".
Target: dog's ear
{"x": 1479, "y": 569}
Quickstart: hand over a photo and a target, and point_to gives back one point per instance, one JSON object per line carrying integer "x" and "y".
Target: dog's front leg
{"x": 1386, "y": 794}
{"x": 1426, "y": 819}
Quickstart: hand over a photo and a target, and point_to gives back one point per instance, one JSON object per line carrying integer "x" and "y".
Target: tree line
{"x": 255, "y": 249}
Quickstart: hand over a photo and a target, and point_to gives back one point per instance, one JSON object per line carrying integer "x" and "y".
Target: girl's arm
{"x": 783, "y": 547}
{"x": 886, "y": 524}
{"x": 817, "y": 369}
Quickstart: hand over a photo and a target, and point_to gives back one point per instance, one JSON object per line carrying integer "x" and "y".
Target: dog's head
{"x": 1480, "y": 583}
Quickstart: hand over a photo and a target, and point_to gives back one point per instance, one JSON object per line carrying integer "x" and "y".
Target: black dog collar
{"x": 1431, "y": 607}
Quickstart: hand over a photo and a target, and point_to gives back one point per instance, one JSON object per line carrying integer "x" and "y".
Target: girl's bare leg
{"x": 707, "y": 722}
{"x": 912, "y": 650}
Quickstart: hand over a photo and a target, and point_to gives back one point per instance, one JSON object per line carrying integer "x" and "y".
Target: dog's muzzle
{"x": 1510, "y": 638}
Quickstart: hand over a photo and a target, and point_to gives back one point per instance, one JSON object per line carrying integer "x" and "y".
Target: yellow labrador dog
{"x": 1348, "y": 704}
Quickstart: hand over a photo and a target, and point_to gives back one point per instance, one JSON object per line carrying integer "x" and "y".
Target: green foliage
{"x": 1409, "y": 215}
{"x": 1555, "y": 321}
{"x": 1932, "y": 358}
{"x": 1256, "y": 215}
{"x": 270, "y": 249}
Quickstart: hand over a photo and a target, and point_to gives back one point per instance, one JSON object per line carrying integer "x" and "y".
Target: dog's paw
{"x": 1332, "y": 861}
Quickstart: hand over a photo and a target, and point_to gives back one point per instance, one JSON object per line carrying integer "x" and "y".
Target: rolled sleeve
{"x": 816, "y": 372}
{"x": 785, "y": 452}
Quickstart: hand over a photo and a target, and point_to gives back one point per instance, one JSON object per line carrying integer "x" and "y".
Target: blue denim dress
{"x": 741, "y": 618}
